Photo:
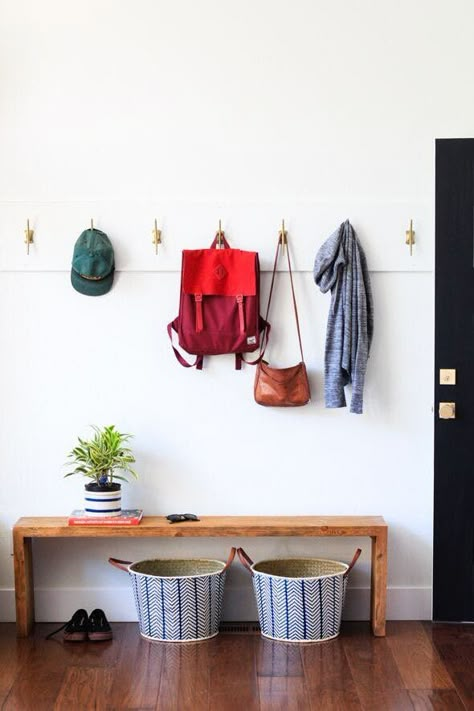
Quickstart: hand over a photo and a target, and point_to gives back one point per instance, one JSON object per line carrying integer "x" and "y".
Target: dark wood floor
{"x": 417, "y": 666}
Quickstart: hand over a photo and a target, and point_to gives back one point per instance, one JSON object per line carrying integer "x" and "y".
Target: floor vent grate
{"x": 239, "y": 628}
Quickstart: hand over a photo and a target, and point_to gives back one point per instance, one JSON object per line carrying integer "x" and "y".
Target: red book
{"x": 128, "y": 517}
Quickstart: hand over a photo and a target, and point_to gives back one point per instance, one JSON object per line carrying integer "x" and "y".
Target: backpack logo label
{"x": 251, "y": 340}
{"x": 220, "y": 271}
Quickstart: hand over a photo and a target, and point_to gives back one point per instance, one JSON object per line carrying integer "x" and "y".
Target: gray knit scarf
{"x": 341, "y": 266}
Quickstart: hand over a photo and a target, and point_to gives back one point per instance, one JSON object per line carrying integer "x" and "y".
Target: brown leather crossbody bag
{"x": 282, "y": 387}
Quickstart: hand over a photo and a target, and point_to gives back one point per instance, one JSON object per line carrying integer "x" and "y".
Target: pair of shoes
{"x": 81, "y": 627}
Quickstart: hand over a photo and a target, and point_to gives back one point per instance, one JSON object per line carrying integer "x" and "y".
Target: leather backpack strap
{"x": 292, "y": 292}
{"x": 224, "y": 242}
{"x": 264, "y": 328}
{"x": 199, "y": 358}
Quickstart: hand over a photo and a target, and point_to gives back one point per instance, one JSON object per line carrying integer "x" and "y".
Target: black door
{"x": 453, "y": 575}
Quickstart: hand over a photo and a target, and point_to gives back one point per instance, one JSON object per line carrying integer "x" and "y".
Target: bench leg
{"x": 24, "y": 591}
{"x": 378, "y": 592}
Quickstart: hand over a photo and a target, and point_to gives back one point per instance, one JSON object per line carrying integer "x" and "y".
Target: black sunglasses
{"x": 177, "y": 518}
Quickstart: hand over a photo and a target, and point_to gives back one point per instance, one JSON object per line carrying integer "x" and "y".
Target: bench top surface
{"x": 57, "y": 526}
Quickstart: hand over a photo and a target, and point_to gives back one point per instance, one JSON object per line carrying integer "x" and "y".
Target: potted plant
{"x": 99, "y": 459}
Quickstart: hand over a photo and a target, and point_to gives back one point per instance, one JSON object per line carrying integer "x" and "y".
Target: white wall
{"x": 192, "y": 112}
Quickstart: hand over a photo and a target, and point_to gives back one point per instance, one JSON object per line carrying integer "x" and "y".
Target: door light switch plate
{"x": 447, "y": 376}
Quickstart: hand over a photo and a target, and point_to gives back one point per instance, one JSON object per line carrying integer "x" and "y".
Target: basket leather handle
{"x": 231, "y": 557}
{"x": 246, "y": 561}
{"x": 353, "y": 562}
{"x": 117, "y": 563}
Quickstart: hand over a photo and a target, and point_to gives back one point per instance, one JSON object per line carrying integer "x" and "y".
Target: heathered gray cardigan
{"x": 340, "y": 266}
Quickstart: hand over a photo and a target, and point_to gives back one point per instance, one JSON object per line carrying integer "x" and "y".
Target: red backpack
{"x": 219, "y": 307}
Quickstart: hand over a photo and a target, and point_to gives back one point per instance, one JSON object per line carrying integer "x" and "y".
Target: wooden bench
{"x": 26, "y": 529}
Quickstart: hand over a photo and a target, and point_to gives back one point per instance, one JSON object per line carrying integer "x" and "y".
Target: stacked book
{"x": 127, "y": 517}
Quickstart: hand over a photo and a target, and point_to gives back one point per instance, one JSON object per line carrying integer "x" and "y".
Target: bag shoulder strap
{"x": 277, "y": 254}
{"x": 264, "y": 328}
{"x": 199, "y": 358}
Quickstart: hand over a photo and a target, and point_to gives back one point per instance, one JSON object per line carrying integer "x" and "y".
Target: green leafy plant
{"x": 100, "y": 457}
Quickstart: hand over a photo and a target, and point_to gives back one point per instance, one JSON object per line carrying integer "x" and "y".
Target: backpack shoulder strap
{"x": 199, "y": 358}
{"x": 265, "y": 329}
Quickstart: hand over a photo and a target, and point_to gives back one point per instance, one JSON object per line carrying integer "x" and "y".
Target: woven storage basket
{"x": 299, "y": 599}
{"x": 177, "y": 600}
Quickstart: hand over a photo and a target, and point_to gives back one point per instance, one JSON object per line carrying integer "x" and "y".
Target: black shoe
{"x": 75, "y": 630}
{"x": 98, "y": 628}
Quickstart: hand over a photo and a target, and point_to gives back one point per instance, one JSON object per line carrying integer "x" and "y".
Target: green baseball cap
{"x": 93, "y": 263}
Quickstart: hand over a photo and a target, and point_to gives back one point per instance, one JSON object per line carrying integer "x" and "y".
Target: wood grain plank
{"x": 417, "y": 659}
{"x": 39, "y": 681}
{"x": 436, "y": 700}
{"x": 463, "y": 681}
{"x": 353, "y": 672}
{"x": 13, "y": 655}
{"x": 388, "y": 700}
{"x": 233, "y": 676}
{"x": 244, "y": 700}
{"x": 374, "y": 670}
{"x": 85, "y": 688}
{"x": 378, "y": 588}
{"x": 137, "y": 672}
{"x": 328, "y": 676}
{"x": 24, "y": 584}
{"x": 280, "y": 675}
{"x": 277, "y": 659}
{"x": 449, "y": 633}
{"x": 57, "y": 527}
{"x": 185, "y": 673}
{"x": 334, "y": 700}
{"x": 37, "y": 685}
{"x": 285, "y": 693}
{"x": 455, "y": 645}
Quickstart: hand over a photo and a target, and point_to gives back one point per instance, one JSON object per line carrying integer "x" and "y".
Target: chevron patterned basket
{"x": 177, "y": 600}
{"x": 299, "y": 599}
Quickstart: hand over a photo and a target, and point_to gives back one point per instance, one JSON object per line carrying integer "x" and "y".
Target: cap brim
{"x": 92, "y": 287}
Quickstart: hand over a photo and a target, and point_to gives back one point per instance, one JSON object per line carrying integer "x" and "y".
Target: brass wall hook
{"x": 28, "y": 236}
{"x": 283, "y": 237}
{"x": 156, "y": 236}
{"x": 219, "y": 237}
{"x": 410, "y": 237}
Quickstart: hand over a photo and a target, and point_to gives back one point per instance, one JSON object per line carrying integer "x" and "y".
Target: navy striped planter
{"x": 105, "y": 502}
{"x": 300, "y": 599}
{"x": 177, "y": 600}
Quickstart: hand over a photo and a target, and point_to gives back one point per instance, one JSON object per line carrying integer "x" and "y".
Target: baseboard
{"x": 58, "y": 604}
{"x": 7, "y": 605}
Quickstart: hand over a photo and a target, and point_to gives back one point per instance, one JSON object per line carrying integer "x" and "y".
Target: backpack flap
{"x": 219, "y": 301}
{"x": 219, "y": 272}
